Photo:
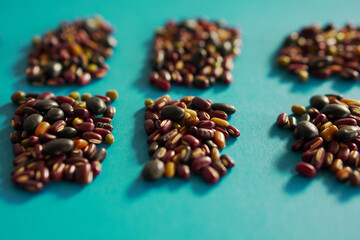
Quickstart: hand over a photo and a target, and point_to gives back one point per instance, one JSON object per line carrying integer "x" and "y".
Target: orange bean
{"x": 42, "y": 128}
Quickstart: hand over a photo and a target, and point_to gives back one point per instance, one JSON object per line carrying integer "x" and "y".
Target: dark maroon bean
{"x": 103, "y": 132}
{"x": 183, "y": 171}
{"x": 57, "y": 171}
{"x": 201, "y": 81}
{"x": 90, "y": 149}
{"x": 18, "y": 149}
{"x": 298, "y": 145}
{"x": 15, "y": 137}
{"x": 354, "y": 178}
{"x": 210, "y": 175}
{"x": 17, "y": 122}
{"x": 22, "y": 158}
{"x": 345, "y": 121}
{"x": 227, "y": 161}
{"x": 151, "y": 116}
{"x": 205, "y": 133}
{"x": 46, "y": 96}
{"x": 319, "y": 120}
{"x": 220, "y": 168}
{"x": 92, "y": 137}
{"x": 23, "y": 176}
{"x": 110, "y": 112}
{"x": 201, "y": 104}
{"x": 32, "y": 185}
{"x": 185, "y": 154}
{"x": 85, "y": 126}
{"x": 57, "y": 127}
{"x": 46, "y": 137}
{"x": 81, "y": 113}
{"x": 202, "y": 115}
{"x": 69, "y": 172}
{"x": 96, "y": 168}
{"x": 153, "y": 137}
{"x": 233, "y": 131}
{"x": 33, "y": 140}
{"x": 159, "y": 153}
{"x": 167, "y": 136}
{"x": 106, "y": 99}
{"x": 333, "y": 147}
{"x": 218, "y": 114}
{"x": 318, "y": 159}
{"x": 199, "y": 163}
{"x": 313, "y": 112}
{"x": 343, "y": 153}
{"x": 174, "y": 141}
{"x": 314, "y": 143}
{"x": 165, "y": 126}
{"x": 43, "y": 175}
{"x": 207, "y": 124}
{"x": 104, "y": 125}
{"x": 306, "y": 169}
{"x": 83, "y": 173}
{"x": 191, "y": 141}
{"x": 74, "y": 160}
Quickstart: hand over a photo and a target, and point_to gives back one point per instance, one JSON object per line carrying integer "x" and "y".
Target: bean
{"x": 227, "y": 161}
{"x": 153, "y": 170}
{"x": 185, "y": 154}
{"x": 210, "y": 175}
{"x": 337, "y": 165}
{"x": 56, "y": 127}
{"x": 112, "y": 94}
{"x": 219, "y": 139}
{"x": 169, "y": 169}
{"x": 354, "y": 178}
{"x": 199, "y": 163}
{"x": 58, "y": 146}
{"x": 343, "y": 174}
{"x": 282, "y": 120}
{"x": 98, "y": 155}
{"x": 57, "y": 171}
{"x": 183, "y": 171}
{"x": 201, "y": 104}
{"x": 31, "y": 122}
{"x": 83, "y": 173}
{"x": 95, "y": 105}
{"x": 292, "y": 123}
{"x": 319, "y": 101}
{"x": 318, "y": 159}
{"x": 336, "y": 111}
{"x": 45, "y": 105}
{"x": 306, "y": 169}
{"x": 233, "y": 131}
{"x": 305, "y": 117}
{"x": 173, "y": 113}
{"x": 92, "y": 137}
{"x": 227, "y": 108}
{"x": 32, "y": 185}
{"x": 347, "y": 133}
{"x": 307, "y": 130}
{"x": 68, "y": 132}
{"x": 298, "y": 110}
{"x": 329, "y": 133}
{"x": 17, "y": 96}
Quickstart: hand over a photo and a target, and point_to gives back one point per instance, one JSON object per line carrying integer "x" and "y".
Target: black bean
{"x": 227, "y": 108}
{"x": 210, "y": 144}
{"x": 173, "y": 113}
{"x": 319, "y": 101}
{"x": 67, "y": 109}
{"x": 98, "y": 155}
{"x": 55, "y": 114}
{"x": 307, "y": 130}
{"x": 96, "y": 105}
{"x": 305, "y": 117}
{"x": 336, "y": 111}
{"x": 152, "y": 148}
{"x": 32, "y": 122}
{"x": 53, "y": 69}
{"x": 153, "y": 170}
{"x": 45, "y": 105}
{"x": 67, "y": 132}
{"x": 347, "y": 133}
{"x": 58, "y": 146}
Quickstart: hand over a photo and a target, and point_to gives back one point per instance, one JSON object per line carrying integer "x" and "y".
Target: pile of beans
{"x": 56, "y": 138}
{"x": 329, "y": 134}
{"x": 194, "y": 52}
{"x": 322, "y": 52}
{"x": 75, "y": 52}
{"x": 187, "y": 134}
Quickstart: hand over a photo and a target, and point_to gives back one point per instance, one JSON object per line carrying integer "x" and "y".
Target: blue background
{"x": 262, "y": 197}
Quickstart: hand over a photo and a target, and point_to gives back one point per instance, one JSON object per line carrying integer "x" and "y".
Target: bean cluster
{"x": 329, "y": 134}
{"x": 56, "y": 138}
{"x": 187, "y": 134}
{"x": 322, "y": 52}
{"x": 194, "y": 52}
{"x": 75, "y": 52}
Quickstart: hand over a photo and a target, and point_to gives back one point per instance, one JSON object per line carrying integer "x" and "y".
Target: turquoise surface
{"x": 262, "y": 197}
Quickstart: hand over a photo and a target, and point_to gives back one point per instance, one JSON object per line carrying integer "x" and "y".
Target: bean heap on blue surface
{"x": 56, "y": 137}
{"x": 187, "y": 136}
{"x": 75, "y": 52}
{"x": 322, "y": 52}
{"x": 329, "y": 134}
{"x": 194, "y": 53}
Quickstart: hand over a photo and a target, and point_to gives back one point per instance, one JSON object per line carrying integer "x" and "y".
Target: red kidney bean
{"x": 201, "y": 104}
{"x": 210, "y": 175}
{"x": 199, "y": 163}
{"x": 314, "y": 143}
{"x": 57, "y": 127}
{"x": 81, "y": 113}
{"x": 190, "y": 140}
{"x": 85, "y": 126}
{"x": 205, "y": 133}
{"x": 220, "y": 168}
{"x": 18, "y": 149}
{"x": 318, "y": 159}
{"x": 96, "y": 168}
{"x": 282, "y": 120}
{"x": 207, "y": 124}
{"x": 298, "y": 145}
{"x": 202, "y": 115}
{"x": 43, "y": 175}
{"x": 218, "y": 114}
{"x": 102, "y": 120}
{"x": 57, "y": 171}
{"x": 306, "y": 169}
{"x": 92, "y": 137}
{"x": 233, "y": 131}
{"x": 174, "y": 141}
{"x": 165, "y": 126}
{"x": 83, "y": 173}
{"x": 343, "y": 153}
{"x": 32, "y": 185}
